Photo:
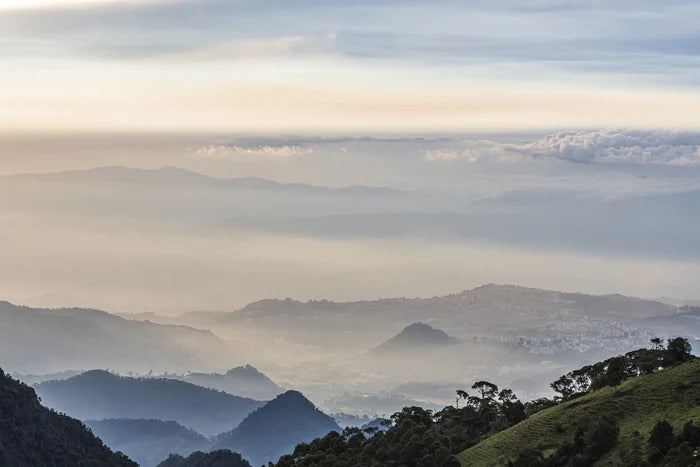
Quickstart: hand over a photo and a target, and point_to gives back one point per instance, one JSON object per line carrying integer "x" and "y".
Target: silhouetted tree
{"x": 461, "y": 395}
{"x": 691, "y": 434}
{"x": 487, "y": 390}
{"x": 591, "y": 441}
{"x": 679, "y": 349}
{"x": 534, "y": 406}
{"x": 613, "y": 371}
{"x": 660, "y": 440}
{"x": 506, "y": 395}
{"x": 511, "y": 408}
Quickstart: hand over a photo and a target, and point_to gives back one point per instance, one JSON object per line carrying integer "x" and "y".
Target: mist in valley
{"x": 200, "y": 273}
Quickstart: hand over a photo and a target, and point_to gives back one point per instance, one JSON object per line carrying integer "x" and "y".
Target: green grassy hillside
{"x": 636, "y": 405}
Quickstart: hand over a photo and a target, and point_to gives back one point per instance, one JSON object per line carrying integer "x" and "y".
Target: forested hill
{"x": 32, "y": 435}
{"x": 276, "y": 428}
{"x": 626, "y": 415}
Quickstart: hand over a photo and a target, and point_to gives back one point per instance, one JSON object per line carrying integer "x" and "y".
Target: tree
{"x": 507, "y": 395}
{"x": 576, "y": 382}
{"x": 615, "y": 372}
{"x": 600, "y": 437}
{"x": 656, "y": 343}
{"x": 691, "y": 434}
{"x": 511, "y": 408}
{"x": 660, "y": 440}
{"x": 591, "y": 442}
{"x": 679, "y": 349}
{"x": 534, "y": 406}
{"x": 564, "y": 386}
{"x": 647, "y": 361}
{"x": 487, "y": 390}
{"x": 473, "y": 401}
{"x": 461, "y": 395}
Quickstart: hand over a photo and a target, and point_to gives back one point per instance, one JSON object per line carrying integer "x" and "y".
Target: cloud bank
{"x": 450, "y": 155}
{"x": 611, "y": 146}
{"x": 252, "y": 153}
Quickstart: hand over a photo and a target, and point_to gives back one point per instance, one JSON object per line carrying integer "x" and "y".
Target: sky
{"x": 312, "y": 66}
{"x": 550, "y": 112}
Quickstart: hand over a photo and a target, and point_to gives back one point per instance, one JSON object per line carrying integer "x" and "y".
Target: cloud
{"x": 610, "y": 146}
{"x": 251, "y": 153}
{"x": 450, "y": 155}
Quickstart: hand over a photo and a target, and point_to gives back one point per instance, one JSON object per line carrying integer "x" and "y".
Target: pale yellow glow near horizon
{"x": 326, "y": 95}
{"x": 291, "y": 108}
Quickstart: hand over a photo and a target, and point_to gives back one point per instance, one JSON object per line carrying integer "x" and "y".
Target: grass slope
{"x": 637, "y": 404}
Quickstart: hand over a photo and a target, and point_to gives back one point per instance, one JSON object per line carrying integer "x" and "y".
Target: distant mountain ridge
{"x": 41, "y": 340}
{"x": 276, "y": 428}
{"x": 122, "y": 174}
{"x": 99, "y": 394}
{"x": 505, "y": 313}
{"x": 147, "y": 441}
{"x": 244, "y": 381}
{"x": 506, "y": 291}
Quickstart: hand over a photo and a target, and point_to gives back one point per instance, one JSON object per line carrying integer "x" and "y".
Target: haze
{"x": 244, "y": 224}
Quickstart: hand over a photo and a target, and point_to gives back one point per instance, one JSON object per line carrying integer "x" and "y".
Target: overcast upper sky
{"x": 320, "y": 66}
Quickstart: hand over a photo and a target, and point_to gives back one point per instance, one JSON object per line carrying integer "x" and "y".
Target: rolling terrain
{"x": 44, "y": 340}
{"x": 636, "y": 405}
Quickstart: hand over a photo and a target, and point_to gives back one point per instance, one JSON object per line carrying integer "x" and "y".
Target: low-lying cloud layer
{"x": 450, "y": 155}
{"x": 610, "y": 146}
{"x": 252, "y": 153}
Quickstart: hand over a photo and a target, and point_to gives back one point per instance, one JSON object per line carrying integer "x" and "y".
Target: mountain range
{"x": 540, "y": 218}
{"x": 520, "y": 316}
{"x": 150, "y": 418}
{"x": 544, "y": 330}
{"x": 173, "y": 194}
{"x": 98, "y": 394}
{"x": 522, "y": 336}
{"x": 43, "y": 340}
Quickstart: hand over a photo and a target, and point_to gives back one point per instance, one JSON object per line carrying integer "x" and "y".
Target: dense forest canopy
{"x": 32, "y": 435}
